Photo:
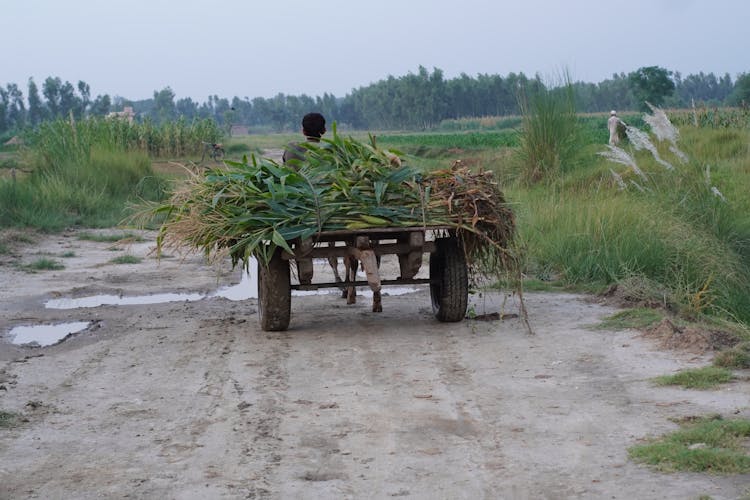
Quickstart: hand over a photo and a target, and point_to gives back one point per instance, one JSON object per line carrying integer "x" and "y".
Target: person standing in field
{"x": 616, "y": 127}
{"x": 313, "y": 128}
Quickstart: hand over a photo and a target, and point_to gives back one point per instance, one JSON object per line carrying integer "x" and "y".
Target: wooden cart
{"x": 448, "y": 279}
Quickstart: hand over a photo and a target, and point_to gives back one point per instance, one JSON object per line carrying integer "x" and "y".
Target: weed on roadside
{"x": 737, "y": 357}
{"x": 698, "y": 378}
{"x": 126, "y": 259}
{"x": 44, "y": 264}
{"x": 109, "y": 238}
{"x": 640, "y": 317}
{"x": 68, "y": 255}
{"x": 706, "y": 445}
{"x": 7, "y": 419}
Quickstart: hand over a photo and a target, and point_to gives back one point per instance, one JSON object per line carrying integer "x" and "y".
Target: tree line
{"x": 419, "y": 100}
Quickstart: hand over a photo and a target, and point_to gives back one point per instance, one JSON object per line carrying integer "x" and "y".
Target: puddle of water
{"x": 247, "y": 288}
{"x": 116, "y": 300}
{"x": 45, "y": 335}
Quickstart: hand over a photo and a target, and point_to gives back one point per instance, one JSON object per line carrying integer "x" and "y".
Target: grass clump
{"x": 108, "y": 237}
{"x": 127, "y": 259}
{"x": 44, "y": 264}
{"x": 737, "y": 357}
{"x": 706, "y": 445}
{"x": 640, "y": 317}
{"x": 67, "y": 255}
{"x": 550, "y": 133}
{"x": 698, "y": 378}
{"x": 7, "y": 419}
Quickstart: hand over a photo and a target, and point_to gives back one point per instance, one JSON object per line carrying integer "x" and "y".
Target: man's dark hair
{"x": 313, "y": 125}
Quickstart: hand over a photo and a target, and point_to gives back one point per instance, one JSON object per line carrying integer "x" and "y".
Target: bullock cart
{"x": 448, "y": 273}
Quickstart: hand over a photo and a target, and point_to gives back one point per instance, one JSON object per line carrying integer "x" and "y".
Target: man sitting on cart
{"x": 313, "y": 128}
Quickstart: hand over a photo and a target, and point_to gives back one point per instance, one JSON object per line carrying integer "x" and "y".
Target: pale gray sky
{"x": 260, "y": 48}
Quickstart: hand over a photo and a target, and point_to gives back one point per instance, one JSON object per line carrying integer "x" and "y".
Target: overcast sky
{"x": 260, "y": 48}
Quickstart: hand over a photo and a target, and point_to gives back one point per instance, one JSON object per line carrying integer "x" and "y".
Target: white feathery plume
{"x": 621, "y": 156}
{"x": 638, "y": 186}
{"x": 660, "y": 125}
{"x": 640, "y": 140}
{"x": 664, "y": 130}
{"x": 707, "y": 173}
{"x": 717, "y": 193}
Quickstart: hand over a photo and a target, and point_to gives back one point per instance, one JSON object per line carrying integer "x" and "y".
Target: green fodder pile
{"x": 250, "y": 208}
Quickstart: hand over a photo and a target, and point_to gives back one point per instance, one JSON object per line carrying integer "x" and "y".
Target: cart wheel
{"x": 450, "y": 290}
{"x": 274, "y": 294}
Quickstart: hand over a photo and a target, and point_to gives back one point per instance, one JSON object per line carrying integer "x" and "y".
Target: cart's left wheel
{"x": 274, "y": 294}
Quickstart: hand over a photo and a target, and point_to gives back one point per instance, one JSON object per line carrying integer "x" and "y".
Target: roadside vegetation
{"x": 109, "y": 237}
{"x": 708, "y": 444}
{"x": 44, "y": 264}
{"x": 126, "y": 259}
{"x": 707, "y": 377}
{"x": 84, "y": 173}
{"x": 8, "y": 419}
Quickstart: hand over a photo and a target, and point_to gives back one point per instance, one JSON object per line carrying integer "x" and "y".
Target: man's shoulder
{"x": 293, "y": 151}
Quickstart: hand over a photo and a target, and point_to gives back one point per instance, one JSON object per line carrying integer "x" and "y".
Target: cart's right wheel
{"x": 274, "y": 294}
{"x": 449, "y": 289}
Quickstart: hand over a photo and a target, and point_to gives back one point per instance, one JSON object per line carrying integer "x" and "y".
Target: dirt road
{"x": 191, "y": 400}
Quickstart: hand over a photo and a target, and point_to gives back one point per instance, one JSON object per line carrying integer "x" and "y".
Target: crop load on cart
{"x": 347, "y": 199}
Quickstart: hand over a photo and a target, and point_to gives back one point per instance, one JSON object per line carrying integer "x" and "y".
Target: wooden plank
{"x": 343, "y": 251}
{"x": 315, "y": 286}
{"x": 383, "y": 230}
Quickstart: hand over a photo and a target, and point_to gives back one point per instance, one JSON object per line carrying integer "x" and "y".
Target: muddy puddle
{"x": 247, "y": 288}
{"x": 45, "y": 335}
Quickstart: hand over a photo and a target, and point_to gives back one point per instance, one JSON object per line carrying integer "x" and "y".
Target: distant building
{"x": 126, "y": 114}
{"x": 239, "y": 130}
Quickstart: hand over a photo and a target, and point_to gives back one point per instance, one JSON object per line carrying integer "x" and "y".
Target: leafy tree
{"x": 51, "y": 92}
{"x": 85, "y": 92}
{"x": 101, "y": 105}
{"x": 4, "y": 126}
{"x": 69, "y": 101}
{"x": 652, "y": 84}
{"x": 186, "y": 107}
{"x": 164, "y": 106}
{"x": 36, "y": 107}
{"x": 741, "y": 93}
{"x": 16, "y": 109}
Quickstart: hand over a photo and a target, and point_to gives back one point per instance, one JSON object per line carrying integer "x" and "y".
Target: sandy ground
{"x": 192, "y": 400}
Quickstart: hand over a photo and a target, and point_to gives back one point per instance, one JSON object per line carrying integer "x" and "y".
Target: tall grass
{"x": 81, "y": 174}
{"x": 679, "y": 218}
{"x": 603, "y": 238}
{"x": 551, "y": 134}
{"x": 60, "y": 140}
{"x": 91, "y": 193}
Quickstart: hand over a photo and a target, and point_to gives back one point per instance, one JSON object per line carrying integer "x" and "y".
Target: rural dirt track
{"x": 191, "y": 400}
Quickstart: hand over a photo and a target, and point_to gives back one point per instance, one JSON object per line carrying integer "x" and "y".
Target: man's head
{"x": 613, "y": 113}
{"x": 313, "y": 125}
